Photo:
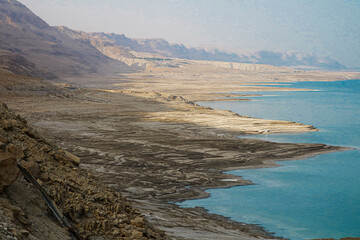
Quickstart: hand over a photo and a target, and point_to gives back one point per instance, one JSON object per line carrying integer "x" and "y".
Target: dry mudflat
{"x": 143, "y": 135}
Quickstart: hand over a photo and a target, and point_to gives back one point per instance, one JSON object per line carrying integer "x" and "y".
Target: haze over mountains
{"x": 173, "y": 50}
{"x": 161, "y": 46}
{"x": 28, "y": 45}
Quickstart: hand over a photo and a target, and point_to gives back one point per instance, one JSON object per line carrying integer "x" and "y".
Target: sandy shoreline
{"x": 159, "y": 148}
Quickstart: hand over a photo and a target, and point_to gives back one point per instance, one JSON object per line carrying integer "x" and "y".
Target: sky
{"x": 325, "y": 27}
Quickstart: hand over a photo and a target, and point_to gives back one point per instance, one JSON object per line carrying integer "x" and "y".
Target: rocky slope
{"x": 22, "y": 33}
{"x": 19, "y": 65}
{"x": 290, "y": 59}
{"x": 94, "y": 209}
{"x": 105, "y": 46}
{"x": 144, "y": 57}
{"x": 121, "y": 46}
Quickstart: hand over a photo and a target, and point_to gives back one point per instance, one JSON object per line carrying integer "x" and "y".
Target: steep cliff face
{"x": 106, "y": 46}
{"x": 291, "y": 59}
{"x": 25, "y": 34}
{"x": 166, "y": 49}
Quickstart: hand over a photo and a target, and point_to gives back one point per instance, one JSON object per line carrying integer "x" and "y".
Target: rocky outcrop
{"x": 95, "y": 210}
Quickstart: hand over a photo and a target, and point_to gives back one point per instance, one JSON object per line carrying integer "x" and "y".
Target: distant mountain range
{"x": 162, "y": 47}
{"x": 29, "y": 45}
{"x": 291, "y": 59}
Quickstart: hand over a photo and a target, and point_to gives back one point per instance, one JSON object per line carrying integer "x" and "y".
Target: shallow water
{"x": 314, "y": 198}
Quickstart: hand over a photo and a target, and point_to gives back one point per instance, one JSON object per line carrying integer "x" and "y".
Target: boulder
{"x": 136, "y": 234}
{"x": 8, "y": 169}
{"x": 9, "y": 124}
{"x": 31, "y": 167}
{"x": 14, "y": 150}
{"x": 74, "y": 159}
{"x": 138, "y": 222}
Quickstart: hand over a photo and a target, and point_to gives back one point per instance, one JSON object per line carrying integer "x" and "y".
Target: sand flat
{"x": 148, "y": 140}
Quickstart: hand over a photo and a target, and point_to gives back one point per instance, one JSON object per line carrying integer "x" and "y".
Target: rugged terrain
{"x": 93, "y": 208}
{"x": 120, "y": 46}
{"x": 153, "y": 148}
{"x": 122, "y": 122}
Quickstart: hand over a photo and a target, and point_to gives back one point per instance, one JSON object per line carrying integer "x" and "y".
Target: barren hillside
{"x": 22, "y": 33}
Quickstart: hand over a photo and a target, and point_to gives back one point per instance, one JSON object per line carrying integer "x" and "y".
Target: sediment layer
{"x": 156, "y": 149}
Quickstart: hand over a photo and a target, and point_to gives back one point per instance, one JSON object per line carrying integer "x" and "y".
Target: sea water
{"x": 314, "y": 198}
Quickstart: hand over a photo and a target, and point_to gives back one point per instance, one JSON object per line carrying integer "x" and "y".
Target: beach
{"x": 144, "y": 135}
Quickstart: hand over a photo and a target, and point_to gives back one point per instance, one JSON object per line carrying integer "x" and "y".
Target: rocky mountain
{"x": 166, "y": 49}
{"x": 23, "y": 34}
{"x": 29, "y": 46}
{"x": 290, "y": 59}
{"x": 106, "y": 46}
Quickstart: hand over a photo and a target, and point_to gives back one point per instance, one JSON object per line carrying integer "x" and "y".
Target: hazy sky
{"x": 326, "y": 27}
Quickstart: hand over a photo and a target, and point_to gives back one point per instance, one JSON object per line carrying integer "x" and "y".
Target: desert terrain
{"x": 144, "y": 135}
{"x": 116, "y": 134}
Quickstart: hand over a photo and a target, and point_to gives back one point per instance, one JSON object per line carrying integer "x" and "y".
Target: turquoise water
{"x": 313, "y": 198}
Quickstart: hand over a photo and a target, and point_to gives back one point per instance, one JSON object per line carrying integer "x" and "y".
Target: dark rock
{"x": 8, "y": 169}
{"x": 32, "y": 167}
{"x": 16, "y": 151}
